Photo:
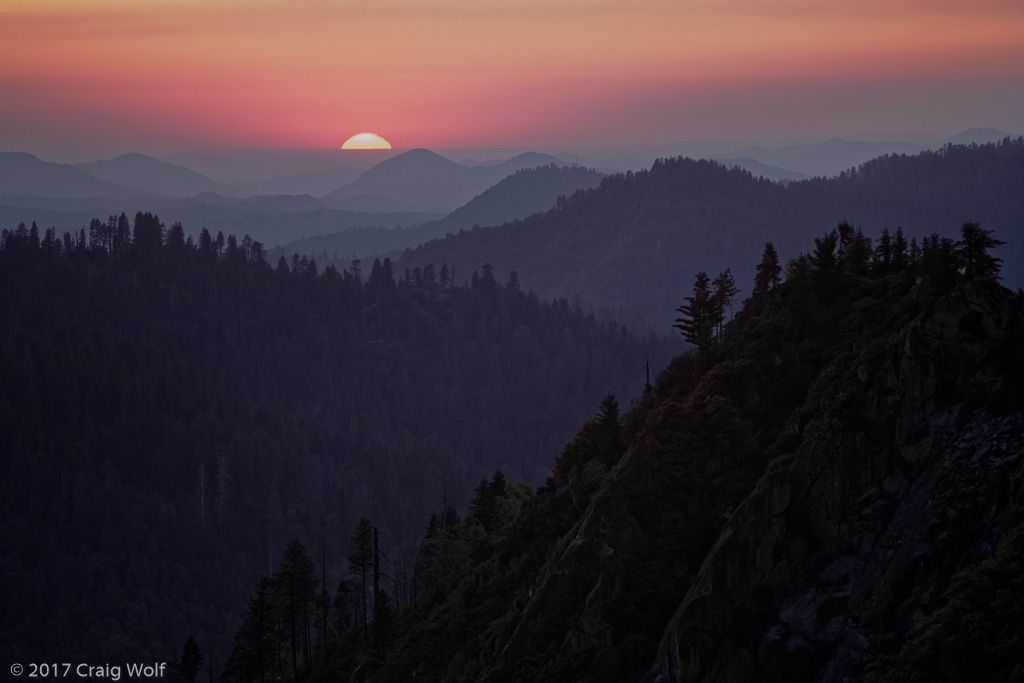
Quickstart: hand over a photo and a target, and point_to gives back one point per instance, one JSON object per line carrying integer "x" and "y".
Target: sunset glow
{"x": 366, "y": 141}
{"x": 454, "y": 73}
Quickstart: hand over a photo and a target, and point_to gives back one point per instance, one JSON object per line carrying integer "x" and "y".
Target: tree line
{"x": 848, "y": 250}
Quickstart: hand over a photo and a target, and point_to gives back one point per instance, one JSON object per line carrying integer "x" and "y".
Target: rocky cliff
{"x": 903, "y": 464}
{"x": 846, "y": 542}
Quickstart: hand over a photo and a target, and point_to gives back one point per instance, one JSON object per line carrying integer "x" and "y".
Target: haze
{"x": 109, "y": 76}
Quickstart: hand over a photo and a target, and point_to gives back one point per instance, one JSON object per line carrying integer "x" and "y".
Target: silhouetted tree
{"x": 190, "y": 663}
{"x": 826, "y": 266}
{"x": 725, "y": 290}
{"x": 483, "y": 507}
{"x": 882, "y": 263}
{"x": 972, "y": 248}
{"x": 697, "y": 318}
{"x": 255, "y": 647}
{"x": 855, "y": 257}
{"x": 900, "y": 259}
{"x": 147, "y": 234}
{"x": 767, "y": 275}
{"x": 295, "y": 584}
{"x": 360, "y": 561}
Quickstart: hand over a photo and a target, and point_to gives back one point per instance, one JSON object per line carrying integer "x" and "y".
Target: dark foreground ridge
{"x": 785, "y": 503}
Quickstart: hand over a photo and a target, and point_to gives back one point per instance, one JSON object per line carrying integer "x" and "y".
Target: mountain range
{"x": 424, "y": 180}
{"x": 25, "y": 174}
{"x": 633, "y": 246}
{"x": 525, "y": 192}
{"x": 152, "y": 176}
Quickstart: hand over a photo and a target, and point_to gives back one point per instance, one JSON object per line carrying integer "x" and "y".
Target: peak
{"x": 19, "y": 156}
{"x": 419, "y": 154}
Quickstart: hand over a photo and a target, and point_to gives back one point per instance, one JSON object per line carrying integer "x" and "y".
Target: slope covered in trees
{"x": 173, "y": 414}
{"x": 784, "y": 503}
{"x": 632, "y": 245}
{"x": 525, "y": 192}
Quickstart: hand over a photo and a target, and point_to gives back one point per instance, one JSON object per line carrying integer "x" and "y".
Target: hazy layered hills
{"x": 525, "y": 192}
{"x": 25, "y": 174}
{"x": 424, "y": 180}
{"x": 152, "y": 176}
{"x": 237, "y": 167}
{"x": 392, "y": 194}
{"x": 823, "y": 159}
{"x": 634, "y": 244}
{"x": 315, "y": 183}
{"x": 836, "y": 155}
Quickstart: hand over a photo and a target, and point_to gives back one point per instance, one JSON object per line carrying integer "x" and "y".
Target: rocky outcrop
{"x": 848, "y": 541}
{"x": 607, "y": 538}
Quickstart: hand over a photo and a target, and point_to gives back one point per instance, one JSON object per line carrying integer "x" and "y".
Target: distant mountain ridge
{"x": 426, "y": 180}
{"x": 150, "y": 175}
{"x": 525, "y": 192}
{"x": 825, "y": 159}
{"x": 26, "y": 174}
{"x": 633, "y": 245}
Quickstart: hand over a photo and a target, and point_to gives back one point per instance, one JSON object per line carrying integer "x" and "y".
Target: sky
{"x": 146, "y": 75}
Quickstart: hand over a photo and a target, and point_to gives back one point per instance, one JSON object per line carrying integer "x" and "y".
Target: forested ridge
{"x": 631, "y": 245}
{"x": 585, "y": 579}
{"x": 173, "y": 413}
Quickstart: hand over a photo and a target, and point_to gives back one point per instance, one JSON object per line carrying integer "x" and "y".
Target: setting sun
{"x": 366, "y": 141}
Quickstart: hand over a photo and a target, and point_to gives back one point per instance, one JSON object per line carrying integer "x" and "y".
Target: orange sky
{"x": 177, "y": 74}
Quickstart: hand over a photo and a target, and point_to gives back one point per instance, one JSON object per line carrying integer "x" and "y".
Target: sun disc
{"x": 366, "y": 141}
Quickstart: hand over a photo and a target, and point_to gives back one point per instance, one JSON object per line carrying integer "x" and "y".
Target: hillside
{"x": 152, "y": 176}
{"x": 633, "y": 245}
{"x": 423, "y": 180}
{"x": 25, "y": 174}
{"x": 173, "y": 413}
{"x": 784, "y": 504}
{"x": 525, "y": 192}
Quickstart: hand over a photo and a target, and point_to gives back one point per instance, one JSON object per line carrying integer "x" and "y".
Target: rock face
{"x": 847, "y": 542}
{"x": 607, "y": 538}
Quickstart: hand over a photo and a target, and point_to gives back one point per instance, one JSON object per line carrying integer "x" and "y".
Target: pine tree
{"x": 190, "y": 663}
{"x": 972, "y": 249}
{"x": 254, "y": 649}
{"x": 360, "y": 561}
{"x": 725, "y": 290}
{"x": 826, "y": 266}
{"x": 855, "y": 257}
{"x": 899, "y": 251}
{"x": 882, "y": 263}
{"x": 498, "y": 484}
{"x": 482, "y": 507}
{"x": 697, "y": 319}
{"x": 766, "y": 278}
{"x": 295, "y": 584}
